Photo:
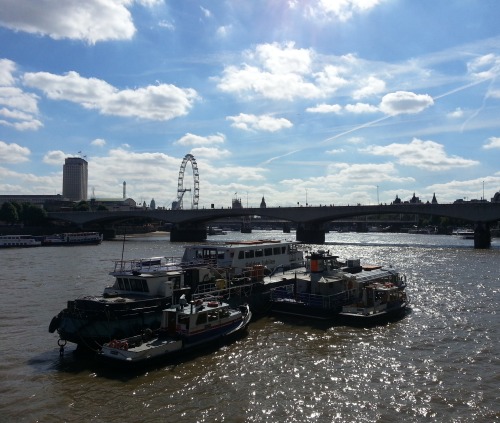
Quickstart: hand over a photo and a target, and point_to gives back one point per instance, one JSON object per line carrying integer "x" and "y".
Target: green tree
{"x": 9, "y": 213}
{"x": 81, "y": 206}
{"x": 33, "y": 215}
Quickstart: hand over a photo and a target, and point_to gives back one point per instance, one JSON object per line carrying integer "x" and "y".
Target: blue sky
{"x": 324, "y": 101}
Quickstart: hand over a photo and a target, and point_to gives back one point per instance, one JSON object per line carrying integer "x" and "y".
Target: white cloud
{"x": 20, "y": 109}
{"x": 277, "y": 71}
{"x": 493, "y": 142}
{"x": 369, "y": 87}
{"x": 210, "y": 153}
{"x": 325, "y": 108}
{"x": 456, "y": 114}
{"x": 427, "y": 155}
{"x": 206, "y": 12}
{"x": 224, "y": 31}
{"x": 98, "y": 142}
{"x": 55, "y": 157}
{"x": 259, "y": 123}
{"x": 403, "y": 102}
{"x": 330, "y": 78}
{"x": 13, "y": 153}
{"x": 359, "y": 108}
{"x": 335, "y": 151}
{"x": 89, "y": 20}
{"x": 346, "y": 173}
{"x": 341, "y": 10}
{"x": 192, "y": 139}
{"x": 283, "y": 58}
{"x": 154, "y": 102}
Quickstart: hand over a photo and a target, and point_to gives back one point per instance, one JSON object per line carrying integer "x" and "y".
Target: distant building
{"x": 434, "y": 201}
{"x": 415, "y": 200}
{"x": 75, "y": 179}
{"x": 397, "y": 200}
{"x": 496, "y": 198}
{"x": 237, "y": 203}
{"x": 152, "y": 205}
{"x": 263, "y": 203}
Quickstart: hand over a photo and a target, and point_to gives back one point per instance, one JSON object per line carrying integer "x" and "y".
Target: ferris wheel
{"x": 177, "y": 205}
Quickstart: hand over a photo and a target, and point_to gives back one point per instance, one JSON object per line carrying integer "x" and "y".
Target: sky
{"x": 298, "y": 101}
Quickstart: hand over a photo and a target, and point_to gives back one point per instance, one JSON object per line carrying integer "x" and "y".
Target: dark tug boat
{"x": 135, "y": 302}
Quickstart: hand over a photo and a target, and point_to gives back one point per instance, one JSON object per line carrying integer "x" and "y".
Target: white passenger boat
{"x": 75, "y": 238}
{"x": 464, "y": 233}
{"x": 242, "y": 255}
{"x": 13, "y": 241}
{"x": 183, "y": 328}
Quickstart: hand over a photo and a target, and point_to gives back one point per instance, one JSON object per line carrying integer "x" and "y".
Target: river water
{"x": 439, "y": 364}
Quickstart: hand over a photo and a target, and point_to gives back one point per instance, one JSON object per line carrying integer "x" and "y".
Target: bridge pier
{"x": 188, "y": 232}
{"x": 313, "y": 233}
{"x": 482, "y": 235}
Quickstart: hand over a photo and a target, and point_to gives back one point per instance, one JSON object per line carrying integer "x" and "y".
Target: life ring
{"x": 213, "y": 304}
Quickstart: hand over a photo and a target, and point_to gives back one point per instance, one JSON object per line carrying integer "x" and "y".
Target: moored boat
{"x": 143, "y": 288}
{"x": 329, "y": 289}
{"x": 183, "y": 328}
{"x": 17, "y": 241}
{"x": 76, "y": 238}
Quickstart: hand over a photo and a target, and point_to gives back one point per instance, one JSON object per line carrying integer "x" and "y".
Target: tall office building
{"x": 75, "y": 179}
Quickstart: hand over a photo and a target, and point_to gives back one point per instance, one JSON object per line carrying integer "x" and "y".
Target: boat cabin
{"x": 188, "y": 319}
{"x": 242, "y": 255}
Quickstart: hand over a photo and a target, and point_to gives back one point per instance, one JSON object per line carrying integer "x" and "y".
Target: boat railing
{"x": 214, "y": 290}
{"x": 147, "y": 265}
{"x": 287, "y": 292}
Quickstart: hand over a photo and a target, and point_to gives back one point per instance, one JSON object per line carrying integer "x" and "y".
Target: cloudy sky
{"x": 324, "y": 101}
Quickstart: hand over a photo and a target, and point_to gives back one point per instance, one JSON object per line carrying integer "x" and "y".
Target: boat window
{"x": 126, "y": 284}
{"x": 259, "y": 253}
{"x": 202, "y": 318}
{"x": 241, "y": 254}
{"x": 136, "y": 285}
{"x": 145, "y": 287}
{"x": 283, "y": 250}
{"x": 276, "y": 251}
{"x": 268, "y": 252}
{"x": 120, "y": 283}
{"x": 249, "y": 254}
{"x": 209, "y": 253}
{"x": 176, "y": 280}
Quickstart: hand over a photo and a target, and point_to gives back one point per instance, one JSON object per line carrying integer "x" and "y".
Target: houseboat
{"x": 183, "y": 327}
{"x": 329, "y": 289}
{"x": 13, "y": 241}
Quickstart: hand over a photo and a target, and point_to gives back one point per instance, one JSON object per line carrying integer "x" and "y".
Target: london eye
{"x": 181, "y": 190}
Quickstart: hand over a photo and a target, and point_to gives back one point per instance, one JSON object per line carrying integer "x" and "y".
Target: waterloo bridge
{"x": 191, "y": 225}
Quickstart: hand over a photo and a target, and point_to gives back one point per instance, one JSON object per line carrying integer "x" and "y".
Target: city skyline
{"x": 318, "y": 102}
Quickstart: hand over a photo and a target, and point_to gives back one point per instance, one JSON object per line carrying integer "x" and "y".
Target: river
{"x": 438, "y": 364}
